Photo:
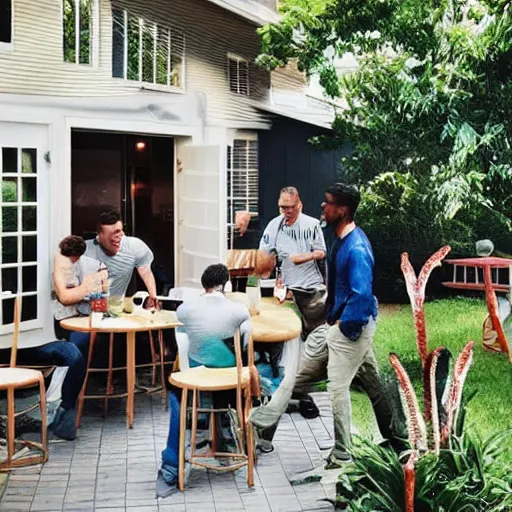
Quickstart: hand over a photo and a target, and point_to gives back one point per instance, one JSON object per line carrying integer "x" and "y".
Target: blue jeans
{"x": 81, "y": 341}
{"x": 56, "y": 353}
{"x": 170, "y": 455}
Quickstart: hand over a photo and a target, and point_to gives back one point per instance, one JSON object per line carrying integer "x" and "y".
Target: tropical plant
{"x": 468, "y": 476}
{"x": 446, "y": 469}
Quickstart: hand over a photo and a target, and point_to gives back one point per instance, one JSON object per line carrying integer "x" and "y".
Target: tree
{"x": 427, "y": 110}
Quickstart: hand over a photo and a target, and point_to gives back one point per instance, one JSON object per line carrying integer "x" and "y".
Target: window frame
{"x": 9, "y": 46}
{"x": 94, "y": 37}
{"x": 238, "y": 59}
{"x": 246, "y": 137}
{"x": 156, "y": 27}
{"x": 20, "y": 234}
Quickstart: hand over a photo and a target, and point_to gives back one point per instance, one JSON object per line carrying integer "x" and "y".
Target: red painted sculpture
{"x": 473, "y": 269}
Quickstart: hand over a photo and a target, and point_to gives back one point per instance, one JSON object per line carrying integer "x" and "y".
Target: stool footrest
{"x": 214, "y": 467}
{"x": 209, "y": 410}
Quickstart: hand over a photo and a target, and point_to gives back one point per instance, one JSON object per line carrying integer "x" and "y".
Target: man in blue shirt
{"x": 351, "y": 309}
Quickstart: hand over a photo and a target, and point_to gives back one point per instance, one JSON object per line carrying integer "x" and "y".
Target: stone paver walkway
{"x": 112, "y": 469}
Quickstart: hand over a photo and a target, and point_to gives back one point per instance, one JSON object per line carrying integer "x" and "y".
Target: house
{"x": 155, "y": 107}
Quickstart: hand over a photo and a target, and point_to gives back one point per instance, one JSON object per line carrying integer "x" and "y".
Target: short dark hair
{"x": 72, "y": 246}
{"x": 345, "y": 195}
{"x": 108, "y": 217}
{"x": 215, "y": 275}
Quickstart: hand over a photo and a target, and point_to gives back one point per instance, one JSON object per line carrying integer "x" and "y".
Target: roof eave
{"x": 251, "y": 11}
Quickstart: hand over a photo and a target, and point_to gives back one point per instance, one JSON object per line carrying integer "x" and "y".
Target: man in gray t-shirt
{"x": 299, "y": 243}
{"x": 122, "y": 254}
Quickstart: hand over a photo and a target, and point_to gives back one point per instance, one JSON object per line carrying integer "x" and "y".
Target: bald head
{"x": 290, "y": 204}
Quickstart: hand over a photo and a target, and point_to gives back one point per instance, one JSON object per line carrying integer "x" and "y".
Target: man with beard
{"x": 351, "y": 309}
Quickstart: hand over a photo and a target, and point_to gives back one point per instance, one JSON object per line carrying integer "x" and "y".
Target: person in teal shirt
{"x": 210, "y": 322}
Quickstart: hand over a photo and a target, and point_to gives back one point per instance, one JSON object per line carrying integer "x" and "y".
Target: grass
{"x": 450, "y": 323}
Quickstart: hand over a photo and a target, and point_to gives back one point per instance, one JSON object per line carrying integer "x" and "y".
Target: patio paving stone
{"x": 112, "y": 469}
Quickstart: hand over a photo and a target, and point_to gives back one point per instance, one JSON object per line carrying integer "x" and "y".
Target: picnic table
{"x": 469, "y": 279}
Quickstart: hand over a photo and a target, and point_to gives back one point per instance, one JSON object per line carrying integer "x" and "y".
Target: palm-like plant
{"x": 445, "y": 470}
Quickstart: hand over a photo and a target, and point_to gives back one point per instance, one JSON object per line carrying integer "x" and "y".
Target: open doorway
{"x": 134, "y": 173}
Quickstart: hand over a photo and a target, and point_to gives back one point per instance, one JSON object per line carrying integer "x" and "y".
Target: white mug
{"x": 138, "y": 300}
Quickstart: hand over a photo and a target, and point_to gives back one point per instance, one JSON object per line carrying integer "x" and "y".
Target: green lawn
{"x": 450, "y": 323}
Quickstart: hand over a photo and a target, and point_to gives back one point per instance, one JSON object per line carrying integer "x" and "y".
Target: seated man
{"x": 55, "y": 353}
{"x": 74, "y": 277}
{"x": 210, "y": 322}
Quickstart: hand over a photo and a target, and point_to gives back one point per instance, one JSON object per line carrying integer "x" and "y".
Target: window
{"x": 77, "y": 31}
{"x": 242, "y": 181}
{"x": 146, "y": 52}
{"x": 18, "y": 231}
{"x": 5, "y": 22}
{"x": 238, "y": 75}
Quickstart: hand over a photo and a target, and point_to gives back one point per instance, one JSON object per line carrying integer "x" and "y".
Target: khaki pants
{"x": 345, "y": 359}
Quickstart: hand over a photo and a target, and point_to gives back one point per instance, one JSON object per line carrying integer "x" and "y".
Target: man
{"x": 299, "y": 243}
{"x": 122, "y": 254}
{"x": 55, "y": 353}
{"x": 351, "y": 309}
{"x": 210, "y": 322}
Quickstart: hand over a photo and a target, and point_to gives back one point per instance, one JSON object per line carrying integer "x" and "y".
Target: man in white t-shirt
{"x": 122, "y": 255}
{"x": 299, "y": 243}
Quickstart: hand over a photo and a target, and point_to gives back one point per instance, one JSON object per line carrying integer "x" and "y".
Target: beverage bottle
{"x": 279, "y": 288}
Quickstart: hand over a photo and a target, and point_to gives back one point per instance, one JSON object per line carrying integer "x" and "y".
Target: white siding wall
{"x": 289, "y": 86}
{"x": 36, "y": 65}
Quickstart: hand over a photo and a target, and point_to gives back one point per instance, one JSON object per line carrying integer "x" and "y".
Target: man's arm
{"x": 143, "y": 259}
{"x": 147, "y": 276}
{"x": 318, "y": 252}
{"x": 69, "y": 296}
{"x": 304, "y": 257}
{"x": 358, "y": 309}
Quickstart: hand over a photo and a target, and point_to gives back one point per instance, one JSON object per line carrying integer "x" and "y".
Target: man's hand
{"x": 318, "y": 255}
{"x": 93, "y": 281}
{"x": 152, "y": 303}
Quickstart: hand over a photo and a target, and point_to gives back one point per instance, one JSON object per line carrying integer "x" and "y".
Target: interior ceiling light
{"x": 140, "y": 145}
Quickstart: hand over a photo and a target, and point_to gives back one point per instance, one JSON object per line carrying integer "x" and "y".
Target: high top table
{"x": 275, "y": 323}
{"x": 129, "y": 323}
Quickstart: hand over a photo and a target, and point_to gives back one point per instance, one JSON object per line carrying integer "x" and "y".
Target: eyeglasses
{"x": 333, "y": 203}
{"x": 293, "y": 207}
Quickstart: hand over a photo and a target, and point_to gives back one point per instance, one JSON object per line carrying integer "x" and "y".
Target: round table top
{"x": 275, "y": 323}
{"x": 134, "y": 322}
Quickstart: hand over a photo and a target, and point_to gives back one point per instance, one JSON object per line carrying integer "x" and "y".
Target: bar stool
{"x": 11, "y": 379}
{"x": 246, "y": 382}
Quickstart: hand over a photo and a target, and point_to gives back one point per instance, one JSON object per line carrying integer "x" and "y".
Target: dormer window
{"x": 5, "y": 23}
{"x": 77, "y": 16}
{"x": 238, "y": 75}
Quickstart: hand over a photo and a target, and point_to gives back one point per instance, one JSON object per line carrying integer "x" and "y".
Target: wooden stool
{"x": 13, "y": 378}
{"x": 219, "y": 379}
{"x": 156, "y": 362}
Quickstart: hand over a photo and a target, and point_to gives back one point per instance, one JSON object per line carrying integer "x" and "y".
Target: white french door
{"x": 202, "y": 211}
{"x": 24, "y": 225}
